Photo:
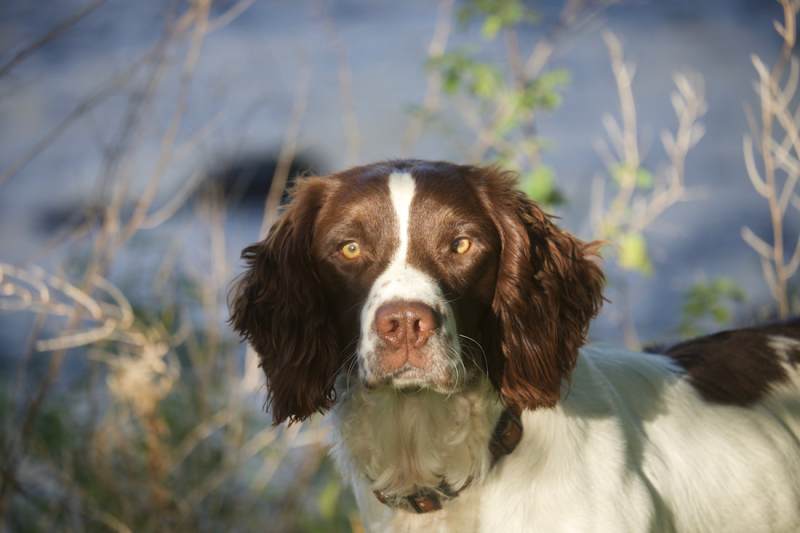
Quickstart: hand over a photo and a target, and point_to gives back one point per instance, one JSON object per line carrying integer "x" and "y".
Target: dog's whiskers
{"x": 349, "y": 372}
{"x": 480, "y": 347}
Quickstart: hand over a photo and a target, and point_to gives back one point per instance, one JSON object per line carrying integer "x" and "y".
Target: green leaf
{"x": 539, "y": 185}
{"x": 709, "y": 301}
{"x": 485, "y": 80}
{"x": 329, "y": 498}
{"x": 721, "y": 315}
{"x": 491, "y": 26}
{"x": 543, "y": 91}
{"x": 633, "y": 253}
{"x": 644, "y": 178}
{"x": 499, "y": 14}
{"x": 451, "y": 82}
{"x": 622, "y": 174}
{"x": 554, "y": 79}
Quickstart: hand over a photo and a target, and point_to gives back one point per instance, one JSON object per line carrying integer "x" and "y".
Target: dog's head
{"x": 420, "y": 275}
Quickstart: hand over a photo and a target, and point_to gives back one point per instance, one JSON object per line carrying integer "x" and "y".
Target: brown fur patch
{"x": 738, "y": 367}
{"x": 548, "y": 289}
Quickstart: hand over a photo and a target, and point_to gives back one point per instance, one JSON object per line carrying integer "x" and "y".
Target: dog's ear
{"x": 547, "y": 291}
{"x": 279, "y": 306}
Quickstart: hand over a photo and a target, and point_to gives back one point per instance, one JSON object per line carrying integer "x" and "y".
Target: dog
{"x": 441, "y": 316}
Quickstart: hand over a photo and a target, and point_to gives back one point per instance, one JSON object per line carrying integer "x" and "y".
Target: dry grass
{"x": 163, "y": 427}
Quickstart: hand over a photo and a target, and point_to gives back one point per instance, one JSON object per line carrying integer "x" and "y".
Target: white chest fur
{"x": 404, "y": 441}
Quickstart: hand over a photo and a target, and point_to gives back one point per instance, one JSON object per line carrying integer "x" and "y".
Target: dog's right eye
{"x": 461, "y": 245}
{"x": 350, "y": 250}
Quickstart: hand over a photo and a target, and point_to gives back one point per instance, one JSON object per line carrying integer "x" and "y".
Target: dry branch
{"x": 778, "y": 145}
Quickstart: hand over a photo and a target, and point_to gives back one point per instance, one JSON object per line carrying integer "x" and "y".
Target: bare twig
{"x": 201, "y": 10}
{"x": 53, "y": 33}
{"x": 640, "y": 196}
{"x": 350, "y": 127}
{"x": 232, "y": 13}
{"x": 433, "y": 81}
{"x": 77, "y": 112}
{"x": 777, "y": 177}
{"x": 630, "y": 210}
{"x": 287, "y": 152}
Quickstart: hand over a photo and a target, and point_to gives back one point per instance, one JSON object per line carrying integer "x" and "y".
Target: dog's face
{"x": 410, "y": 265}
{"x": 420, "y": 275}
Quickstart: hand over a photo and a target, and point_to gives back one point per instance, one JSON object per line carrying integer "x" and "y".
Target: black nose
{"x": 405, "y": 324}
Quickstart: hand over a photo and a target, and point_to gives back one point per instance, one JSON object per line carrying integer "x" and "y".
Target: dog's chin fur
{"x": 445, "y": 382}
{"x": 403, "y": 440}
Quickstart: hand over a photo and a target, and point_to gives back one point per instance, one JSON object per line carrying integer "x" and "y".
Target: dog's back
{"x": 741, "y": 366}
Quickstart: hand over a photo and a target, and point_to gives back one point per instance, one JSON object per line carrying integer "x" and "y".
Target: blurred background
{"x": 144, "y": 144}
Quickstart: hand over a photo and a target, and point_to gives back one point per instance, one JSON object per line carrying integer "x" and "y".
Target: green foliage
{"x": 631, "y": 246}
{"x": 540, "y": 185}
{"x": 329, "y": 498}
{"x": 633, "y": 253}
{"x": 642, "y": 178}
{"x": 544, "y": 90}
{"x": 460, "y": 71}
{"x": 333, "y": 497}
{"x": 506, "y": 102}
{"x": 709, "y": 301}
{"x": 498, "y": 14}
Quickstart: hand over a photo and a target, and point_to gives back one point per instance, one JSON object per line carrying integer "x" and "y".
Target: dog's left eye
{"x": 461, "y": 245}
{"x": 350, "y": 250}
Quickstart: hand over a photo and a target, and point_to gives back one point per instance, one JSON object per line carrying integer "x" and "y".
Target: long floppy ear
{"x": 548, "y": 289}
{"x": 279, "y": 306}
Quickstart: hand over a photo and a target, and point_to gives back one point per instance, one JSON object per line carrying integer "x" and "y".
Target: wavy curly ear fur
{"x": 279, "y": 306}
{"x": 548, "y": 289}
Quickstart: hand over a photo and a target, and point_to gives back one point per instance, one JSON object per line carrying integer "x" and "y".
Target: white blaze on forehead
{"x": 401, "y": 281}
{"x": 401, "y": 192}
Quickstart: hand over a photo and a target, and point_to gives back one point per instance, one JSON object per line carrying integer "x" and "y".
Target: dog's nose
{"x": 405, "y": 324}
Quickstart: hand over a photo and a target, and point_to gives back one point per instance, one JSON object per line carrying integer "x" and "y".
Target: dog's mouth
{"x": 408, "y": 377}
{"x": 440, "y": 378}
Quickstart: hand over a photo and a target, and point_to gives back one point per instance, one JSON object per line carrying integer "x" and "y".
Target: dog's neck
{"x": 401, "y": 442}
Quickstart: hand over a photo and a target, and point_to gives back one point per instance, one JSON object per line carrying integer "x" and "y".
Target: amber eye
{"x": 350, "y": 250}
{"x": 461, "y": 245}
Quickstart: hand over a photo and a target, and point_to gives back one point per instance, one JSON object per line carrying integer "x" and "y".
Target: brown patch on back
{"x": 739, "y": 367}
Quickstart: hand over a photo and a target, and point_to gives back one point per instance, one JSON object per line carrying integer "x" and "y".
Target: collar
{"x": 507, "y": 434}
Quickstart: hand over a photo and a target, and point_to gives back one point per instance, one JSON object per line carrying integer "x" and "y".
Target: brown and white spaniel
{"x": 441, "y": 315}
